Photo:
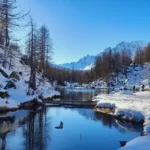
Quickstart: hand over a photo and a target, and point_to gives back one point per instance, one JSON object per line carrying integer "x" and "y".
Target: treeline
{"x": 110, "y": 62}
{"x": 60, "y": 75}
{"x": 142, "y": 55}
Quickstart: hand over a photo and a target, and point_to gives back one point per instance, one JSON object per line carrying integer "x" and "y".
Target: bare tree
{"x": 45, "y": 48}
{"x": 32, "y": 46}
{"x": 9, "y": 19}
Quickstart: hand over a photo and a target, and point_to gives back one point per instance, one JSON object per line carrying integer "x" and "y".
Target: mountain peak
{"x": 81, "y": 64}
{"x": 87, "y": 61}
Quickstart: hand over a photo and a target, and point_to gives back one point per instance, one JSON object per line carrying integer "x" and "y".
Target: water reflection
{"x": 109, "y": 121}
{"x": 74, "y": 94}
{"x": 36, "y": 131}
{"x": 82, "y": 128}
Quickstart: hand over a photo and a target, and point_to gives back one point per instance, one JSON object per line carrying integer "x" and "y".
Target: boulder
{"x": 3, "y": 73}
{"x": 32, "y": 104}
{"x": 10, "y": 84}
{"x": 14, "y": 75}
{"x": 20, "y": 73}
{"x": 123, "y": 143}
{"x": 4, "y": 94}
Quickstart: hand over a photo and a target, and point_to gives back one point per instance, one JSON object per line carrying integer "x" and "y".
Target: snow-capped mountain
{"x": 81, "y": 64}
{"x": 87, "y": 62}
{"x": 130, "y": 47}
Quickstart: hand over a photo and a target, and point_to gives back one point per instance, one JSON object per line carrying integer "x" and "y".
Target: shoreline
{"x": 128, "y": 106}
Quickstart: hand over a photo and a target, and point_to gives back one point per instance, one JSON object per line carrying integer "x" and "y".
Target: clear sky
{"x": 81, "y": 27}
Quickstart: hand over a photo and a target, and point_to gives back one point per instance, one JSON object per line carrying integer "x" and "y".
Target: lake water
{"x": 83, "y": 129}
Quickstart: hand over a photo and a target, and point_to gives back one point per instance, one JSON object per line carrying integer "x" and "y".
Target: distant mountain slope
{"x": 87, "y": 62}
{"x": 81, "y": 64}
{"x": 130, "y": 47}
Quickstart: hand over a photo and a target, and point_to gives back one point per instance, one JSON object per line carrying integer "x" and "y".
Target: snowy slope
{"x": 81, "y": 64}
{"x": 87, "y": 62}
{"x": 136, "y": 76}
{"x": 129, "y": 47}
{"x": 19, "y": 94}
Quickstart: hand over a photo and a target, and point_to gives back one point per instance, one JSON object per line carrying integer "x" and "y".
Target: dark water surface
{"x": 83, "y": 130}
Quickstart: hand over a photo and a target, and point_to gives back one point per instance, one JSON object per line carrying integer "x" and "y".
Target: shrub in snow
{"x": 14, "y": 75}
{"x": 10, "y": 84}
{"x": 4, "y": 94}
{"x": 131, "y": 115}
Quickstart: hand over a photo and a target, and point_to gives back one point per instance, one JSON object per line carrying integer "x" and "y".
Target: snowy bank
{"x": 140, "y": 143}
{"x": 128, "y": 104}
{"x": 132, "y": 107}
{"x": 104, "y": 104}
{"x": 130, "y": 115}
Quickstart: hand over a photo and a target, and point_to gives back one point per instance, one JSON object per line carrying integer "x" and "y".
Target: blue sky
{"x": 81, "y": 27}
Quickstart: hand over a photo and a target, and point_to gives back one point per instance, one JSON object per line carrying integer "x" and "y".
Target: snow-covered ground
{"x": 134, "y": 106}
{"x": 84, "y": 63}
{"x": 140, "y": 143}
{"x": 21, "y": 91}
{"x": 128, "y": 103}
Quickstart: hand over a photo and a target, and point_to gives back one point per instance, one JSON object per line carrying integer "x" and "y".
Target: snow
{"x": 128, "y": 114}
{"x": 130, "y": 47}
{"x": 71, "y": 85}
{"x": 87, "y": 62}
{"x": 104, "y": 104}
{"x": 130, "y": 106}
{"x": 89, "y": 67}
{"x": 147, "y": 128}
{"x": 136, "y": 76}
{"x": 140, "y": 143}
{"x": 82, "y": 64}
{"x": 19, "y": 95}
{"x": 139, "y": 102}
{"x": 50, "y": 93}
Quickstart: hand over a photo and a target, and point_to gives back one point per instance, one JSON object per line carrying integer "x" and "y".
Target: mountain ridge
{"x": 87, "y": 62}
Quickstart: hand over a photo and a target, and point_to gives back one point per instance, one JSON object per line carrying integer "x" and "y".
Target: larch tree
{"x": 32, "y": 47}
{"x": 44, "y": 48}
{"x": 10, "y": 18}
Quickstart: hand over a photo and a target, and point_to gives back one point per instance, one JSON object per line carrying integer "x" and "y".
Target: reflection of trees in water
{"x": 106, "y": 120}
{"x": 5, "y": 128}
{"x": 110, "y": 121}
{"x": 35, "y": 131}
{"x": 125, "y": 126}
{"x": 79, "y": 96}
